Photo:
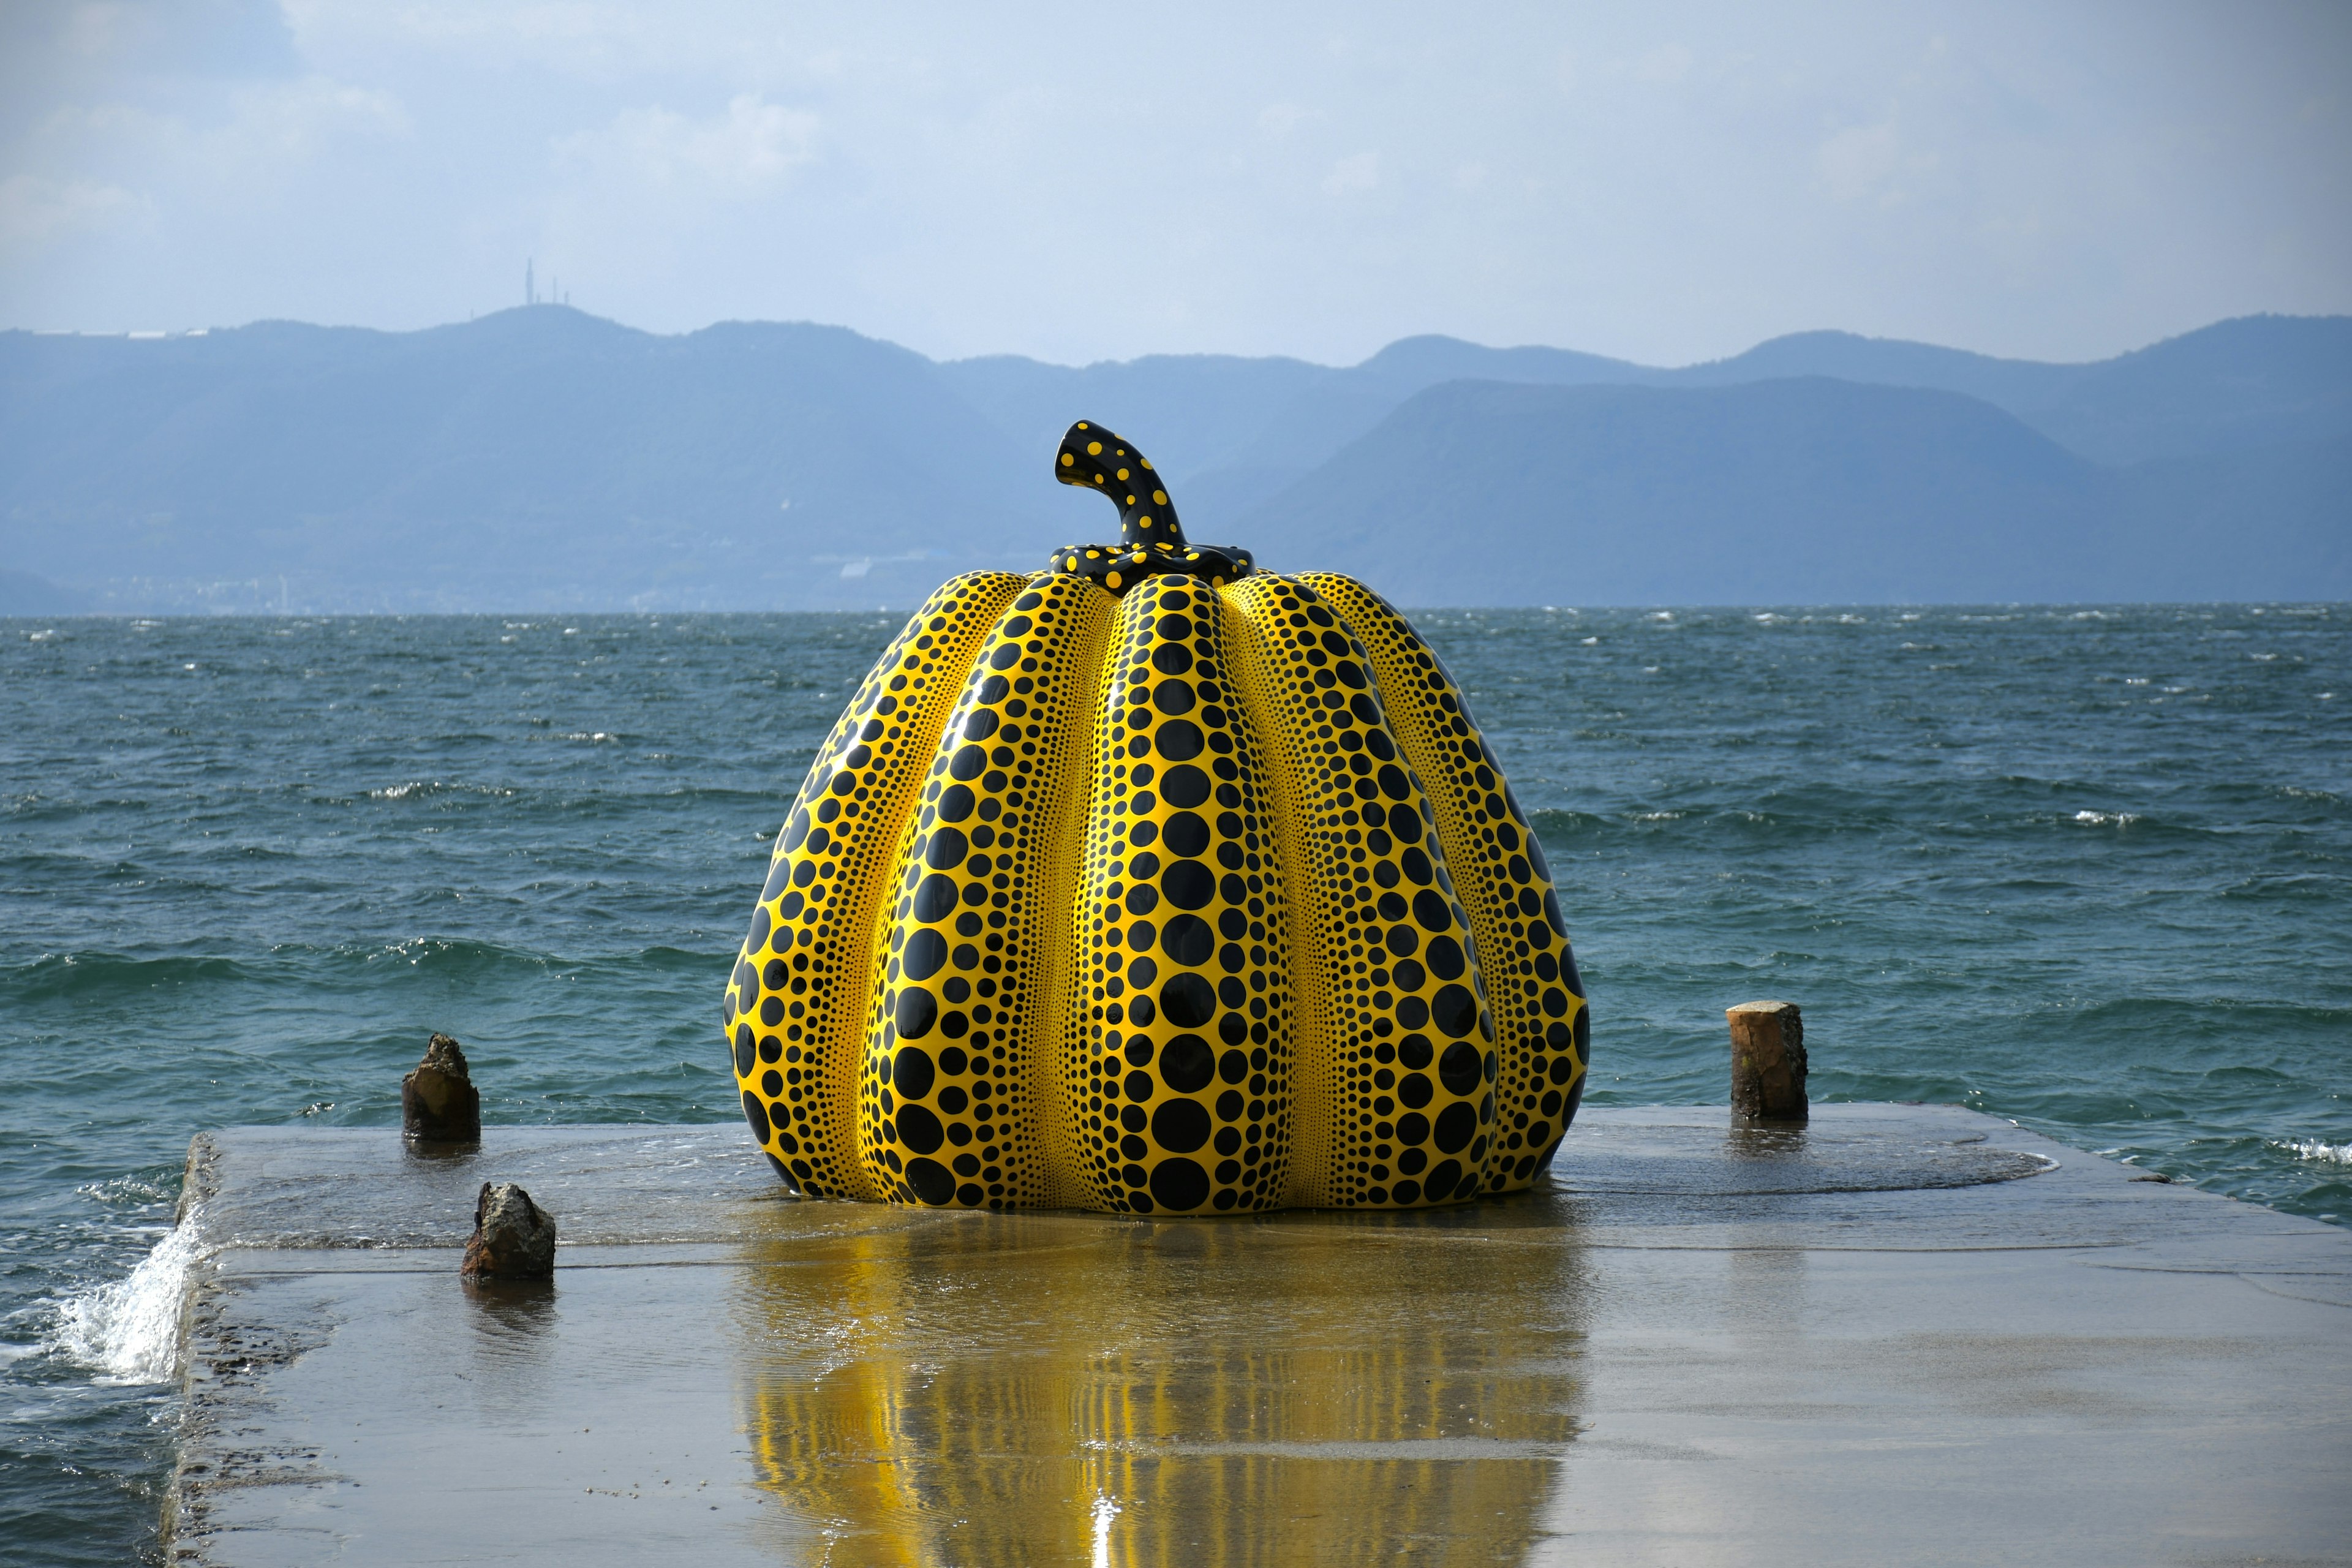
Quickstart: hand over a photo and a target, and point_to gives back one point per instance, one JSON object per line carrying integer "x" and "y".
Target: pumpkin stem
{"x": 1093, "y": 458}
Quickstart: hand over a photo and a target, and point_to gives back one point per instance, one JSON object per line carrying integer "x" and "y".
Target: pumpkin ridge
{"x": 1532, "y": 987}
{"x": 950, "y": 1110}
{"x": 797, "y": 1071}
{"x": 1390, "y": 974}
{"x": 1187, "y": 1068}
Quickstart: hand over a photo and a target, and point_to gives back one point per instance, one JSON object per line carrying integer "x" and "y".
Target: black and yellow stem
{"x": 1093, "y": 458}
{"x": 1150, "y": 540}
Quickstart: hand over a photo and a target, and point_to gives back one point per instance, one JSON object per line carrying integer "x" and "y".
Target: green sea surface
{"x": 2089, "y": 868}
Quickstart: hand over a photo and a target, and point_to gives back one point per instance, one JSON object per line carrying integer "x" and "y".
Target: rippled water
{"x": 2087, "y": 869}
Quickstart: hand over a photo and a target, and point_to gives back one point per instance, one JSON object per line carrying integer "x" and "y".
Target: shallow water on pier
{"x": 2085, "y": 868}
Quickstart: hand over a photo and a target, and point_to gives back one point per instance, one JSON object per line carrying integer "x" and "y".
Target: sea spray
{"x": 128, "y": 1330}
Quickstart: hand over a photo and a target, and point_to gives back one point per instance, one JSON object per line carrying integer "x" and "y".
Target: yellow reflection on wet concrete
{"x": 928, "y": 1388}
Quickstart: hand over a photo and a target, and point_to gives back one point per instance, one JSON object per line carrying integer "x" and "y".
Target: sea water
{"x": 2087, "y": 869}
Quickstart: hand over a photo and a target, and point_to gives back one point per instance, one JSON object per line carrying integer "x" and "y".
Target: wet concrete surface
{"x": 1900, "y": 1334}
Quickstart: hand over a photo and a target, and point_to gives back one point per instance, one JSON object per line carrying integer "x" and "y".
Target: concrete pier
{"x": 1898, "y": 1334}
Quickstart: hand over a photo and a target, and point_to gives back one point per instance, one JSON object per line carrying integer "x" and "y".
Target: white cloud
{"x": 751, "y": 145}
{"x": 35, "y": 210}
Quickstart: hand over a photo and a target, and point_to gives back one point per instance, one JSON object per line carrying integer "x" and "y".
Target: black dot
{"x": 1187, "y": 834}
{"x": 1143, "y": 900}
{"x": 1188, "y": 1001}
{"x": 926, "y": 952}
{"x": 1172, "y": 697}
{"x": 1180, "y": 1184}
{"x": 1138, "y": 936}
{"x": 936, "y": 898}
{"x": 1414, "y": 1089}
{"x": 1429, "y": 907}
{"x": 1413, "y": 1012}
{"x": 743, "y": 1053}
{"x": 1411, "y": 1129}
{"x": 918, "y": 1010}
{"x": 1189, "y": 885}
{"x": 1408, "y": 1192}
{"x": 1177, "y": 740}
{"x": 932, "y": 1182}
{"x": 919, "y": 1129}
{"x": 1188, "y": 940}
{"x": 1442, "y": 1178}
{"x": 1454, "y": 1009}
{"x": 1173, "y": 628}
{"x": 1445, "y": 958}
{"x": 757, "y": 1115}
{"x": 969, "y": 763}
{"x": 1232, "y": 1067}
{"x": 1180, "y": 1126}
{"x": 1171, "y": 658}
{"x": 911, "y": 1072}
{"x": 955, "y": 803}
{"x": 1187, "y": 1066}
{"x": 1142, "y": 972}
{"x": 1405, "y": 823}
{"x": 1186, "y": 785}
{"x": 1456, "y": 1126}
{"x": 1459, "y": 1068}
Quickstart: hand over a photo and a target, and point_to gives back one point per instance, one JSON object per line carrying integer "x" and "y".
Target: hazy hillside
{"x": 1781, "y": 492}
{"x": 542, "y": 458}
{"x": 539, "y": 457}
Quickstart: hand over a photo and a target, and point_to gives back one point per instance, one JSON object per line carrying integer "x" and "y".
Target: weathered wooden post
{"x": 1768, "y": 1061}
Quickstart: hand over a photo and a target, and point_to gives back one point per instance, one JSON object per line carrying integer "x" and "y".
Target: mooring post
{"x": 438, "y": 1101}
{"x": 1768, "y": 1061}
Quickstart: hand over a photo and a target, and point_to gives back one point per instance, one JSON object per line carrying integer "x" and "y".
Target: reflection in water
{"x": 513, "y": 1341}
{"x": 930, "y": 1388}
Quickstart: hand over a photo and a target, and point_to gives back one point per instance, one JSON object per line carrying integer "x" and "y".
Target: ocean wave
{"x": 425, "y": 789}
{"x": 2106, "y": 818}
{"x": 2313, "y": 1149}
{"x": 128, "y": 1330}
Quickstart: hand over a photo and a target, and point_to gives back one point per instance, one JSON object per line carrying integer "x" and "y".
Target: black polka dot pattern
{"x": 958, "y": 1045}
{"x": 1186, "y": 891}
{"x": 1504, "y": 882}
{"x": 1396, "y": 1046}
{"x": 797, "y": 1005}
{"x": 1181, "y": 1079}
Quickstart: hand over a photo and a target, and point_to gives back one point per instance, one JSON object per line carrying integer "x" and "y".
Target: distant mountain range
{"x": 542, "y": 458}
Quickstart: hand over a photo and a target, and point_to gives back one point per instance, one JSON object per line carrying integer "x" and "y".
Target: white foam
{"x": 2104, "y": 818}
{"x": 129, "y": 1331}
{"x": 2326, "y": 1154}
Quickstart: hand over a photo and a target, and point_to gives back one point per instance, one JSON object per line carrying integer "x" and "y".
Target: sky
{"x": 1666, "y": 182}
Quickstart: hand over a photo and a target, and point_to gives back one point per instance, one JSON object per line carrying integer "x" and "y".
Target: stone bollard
{"x": 1768, "y": 1061}
{"x": 513, "y": 1238}
{"x": 438, "y": 1101}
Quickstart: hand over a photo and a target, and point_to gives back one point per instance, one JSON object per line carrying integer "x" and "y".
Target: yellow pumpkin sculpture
{"x": 1158, "y": 884}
